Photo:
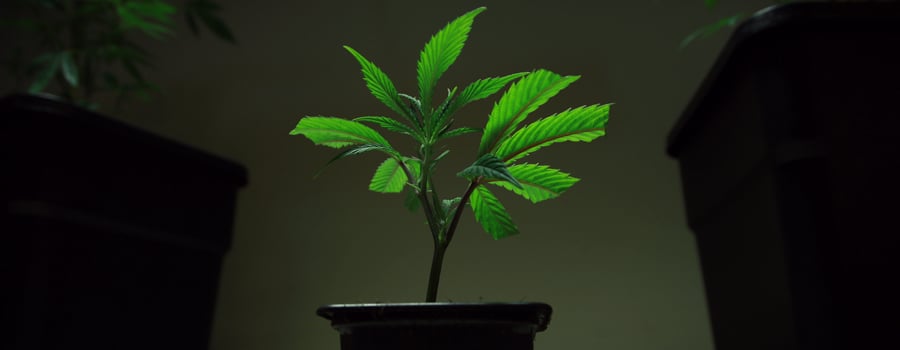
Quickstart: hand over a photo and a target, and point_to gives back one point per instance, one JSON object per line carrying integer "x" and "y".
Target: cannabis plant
{"x": 78, "y": 48}
{"x": 505, "y": 140}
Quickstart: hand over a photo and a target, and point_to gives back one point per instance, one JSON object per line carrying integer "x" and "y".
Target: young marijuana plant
{"x": 503, "y": 142}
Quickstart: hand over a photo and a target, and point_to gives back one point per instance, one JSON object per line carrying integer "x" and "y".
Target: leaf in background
{"x": 539, "y": 182}
{"x": 206, "y": 11}
{"x": 489, "y": 167}
{"x": 411, "y": 201}
{"x": 711, "y": 3}
{"x": 338, "y": 132}
{"x": 582, "y": 124}
{"x": 710, "y": 29}
{"x": 388, "y": 178}
{"x": 48, "y": 66}
{"x": 380, "y": 85}
{"x": 522, "y": 98}
{"x": 440, "y": 52}
{"x": 491, "y": 214}
{"x": 153, "y": 18}
{"x": 69, "y": 70}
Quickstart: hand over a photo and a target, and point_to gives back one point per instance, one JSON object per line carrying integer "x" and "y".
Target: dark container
{"x": 790, "y": 164}
{"x": 438, "y": 326}
{"x": 112, "y": 238}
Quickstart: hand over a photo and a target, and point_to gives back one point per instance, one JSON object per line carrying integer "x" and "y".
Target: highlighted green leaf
{"x": 338, "y": 133}
{"x": 49, "y": 64}
{"x": 582, "y": 124}
{"x": 379, "y": 84}
{"x": 539, "y": 182}
{"x": 458, "y": 131}
{"x": 522, "y": 98}
{"x": 352, "y": 151}
{"x": 489, "y": 167}
{"x": 484, "y": 88}
{"x": 491, "y": 214}
{"x": 388, "y": 178}
{"x": 391, "y": 124}
{"x": 440, "y": 52}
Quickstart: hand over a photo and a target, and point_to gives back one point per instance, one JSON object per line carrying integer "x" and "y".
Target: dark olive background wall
{"x": 613, "y": 256}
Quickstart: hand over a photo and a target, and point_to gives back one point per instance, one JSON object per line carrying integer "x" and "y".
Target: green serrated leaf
{"x": 459, "y": 131}
{"x": 522, "y": 98}
{"x": 441, "y": 51}
{"x": 539, "y": 182}
{"x": 69, "y": 69}
{"x": 582, "y": 124}
{"x": 491, "y": 214}
{"x": 388, "y": 178}
{"x": 391, "y": 124}
{"x": 380, "y": 85}
{"x": 337, "y": 133}
{"x": 483, "y": 88}
{"x": 489, "y": 167}
{"x": 352, "y": 151}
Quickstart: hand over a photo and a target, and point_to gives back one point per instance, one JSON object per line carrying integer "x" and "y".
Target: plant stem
{"x": 441, "y": 243}
{"x": 434, "y": 278}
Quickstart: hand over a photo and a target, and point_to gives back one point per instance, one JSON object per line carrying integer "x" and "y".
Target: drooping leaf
{"x": 380, "y": 85}
{"x": 489, "y": 167}
{"x": 391, "y": 124}
{"x": 69, "y": 69}
{"x": 522, "y": 98}
{"x": 539, "y": 182}
{"x": 440, "y": 52}
{"x": 388, "y": 178}
{"x": 354, "y": 150}
{"x": 491, "y": 214}
{"x": 483, "y": 88}
{"x": 582, "y": 124}
{"x": 458, "y": 131}
{"x": 337, "y": 133}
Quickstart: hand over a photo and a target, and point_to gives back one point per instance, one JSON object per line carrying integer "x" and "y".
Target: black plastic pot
{"x": 112, "y": 237}
{"x": 790, "y": 160}
{"x": 438, "y": 326}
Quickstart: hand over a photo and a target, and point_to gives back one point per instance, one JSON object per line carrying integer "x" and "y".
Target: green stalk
{"x": 440, "y": 246}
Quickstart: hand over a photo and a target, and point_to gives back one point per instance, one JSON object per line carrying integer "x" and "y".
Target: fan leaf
{"x": 391, "y": 124}
{"x": 539, "y": 182}
{"x": 491, "y": 214}
{"x": 522, "y": 98}
{"x": 483, "y": 88}
{"x": 379, "y": 84}
{"x": 489, "y": 167}
{"x": 458, "y": 132}
{"x": 388, "y": 178}
{"x": 440, "y": 52}
{"x": 582, "y": 124}
{"x": 338, "y": 133}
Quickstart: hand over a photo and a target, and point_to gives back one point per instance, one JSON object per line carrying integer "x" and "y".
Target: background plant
{"x": 79, "y": 48}
{"x": 504, "y": 139}
{"x": 711, "y": 29}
